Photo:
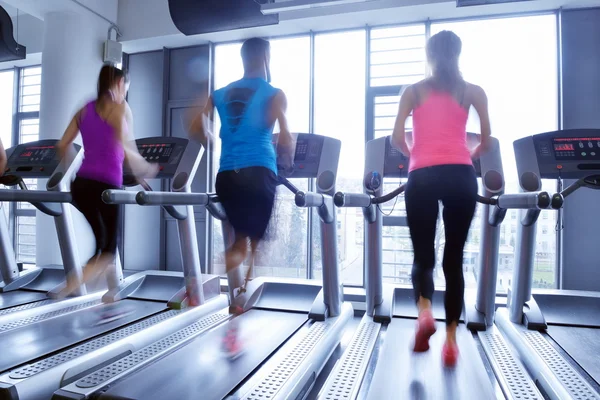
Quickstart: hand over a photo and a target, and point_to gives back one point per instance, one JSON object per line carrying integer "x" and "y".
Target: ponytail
{"x": 443, "y": 52}
{"x": 108, "y": 77}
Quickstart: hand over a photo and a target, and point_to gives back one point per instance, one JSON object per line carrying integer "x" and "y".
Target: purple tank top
{"x": 103, "y": 153}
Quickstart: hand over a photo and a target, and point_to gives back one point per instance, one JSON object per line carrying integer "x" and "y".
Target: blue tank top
{"x": 246, "y": 129}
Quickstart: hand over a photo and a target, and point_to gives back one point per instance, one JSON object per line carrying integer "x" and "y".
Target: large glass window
{"x": 6, "y": 117}
{"x": 28, "y": 124}
{"x": 515, "y": 61}
{"x": 397, "y": 59}
{"x": 339, "y": 112}
{"x": 284, "y": 253}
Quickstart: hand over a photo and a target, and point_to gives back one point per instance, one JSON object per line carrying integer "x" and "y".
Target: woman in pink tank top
{"x": 103, "y": 125}
{"x": 441, "y": 170}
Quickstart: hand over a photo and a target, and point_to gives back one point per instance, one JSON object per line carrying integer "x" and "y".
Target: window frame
{"x": 374, "y": 91}
{"x": 18, "y": 117}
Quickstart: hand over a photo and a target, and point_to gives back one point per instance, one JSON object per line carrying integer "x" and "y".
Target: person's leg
{"x": 459, "y": 208}
{"x": 83, "y": 199}
{"x": 107, "y": 265}
{"x": 422, "y": 212}
{"x": 264, "y": 183}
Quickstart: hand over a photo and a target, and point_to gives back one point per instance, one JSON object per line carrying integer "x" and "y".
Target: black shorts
{"x": 248, "y": 196}
{"x": 102, "y": 217}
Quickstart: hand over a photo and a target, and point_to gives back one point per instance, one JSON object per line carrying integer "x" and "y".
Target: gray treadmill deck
{"x": 20, "y": 297}
{"x": 200, "y": 369}
{"x": 582, "y": 344}
{"x": 403, "y": 374}
{"x": 21, "y": 345}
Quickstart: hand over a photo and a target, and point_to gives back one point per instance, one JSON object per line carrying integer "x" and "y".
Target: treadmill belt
{"x": 402, "y": 374}
{"x": 582, "y": 344}
{"x": 200, "y": 369}
{"x": 21, "y": 345}
{"x": 20, "y": 297}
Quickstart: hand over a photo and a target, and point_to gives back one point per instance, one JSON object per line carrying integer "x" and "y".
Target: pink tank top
{"x": 439, "y": 133}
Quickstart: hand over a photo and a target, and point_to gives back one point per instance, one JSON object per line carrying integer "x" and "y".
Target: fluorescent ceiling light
{"x": 295, "y": 5}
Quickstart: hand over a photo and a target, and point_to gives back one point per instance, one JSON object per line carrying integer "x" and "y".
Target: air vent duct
{"x": 10, "y": 50}
{"x": 466, "y": 3}
{"x": 194, "y": 17}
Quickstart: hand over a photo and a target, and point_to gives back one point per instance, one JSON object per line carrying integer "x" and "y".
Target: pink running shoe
{"x": 425, "y": 328}
{"x": 232, "y": 344}
{"x": 450, "y": 354}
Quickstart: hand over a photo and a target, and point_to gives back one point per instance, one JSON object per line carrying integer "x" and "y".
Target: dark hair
{"x": 108, "y": 77}
{"x": 443, "y": 52}
{"x": 254, "y": 52}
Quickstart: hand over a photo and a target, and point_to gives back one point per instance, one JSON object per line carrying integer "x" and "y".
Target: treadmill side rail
{"x": 347, "y": 376}
{"x": 40, "y": 379}
{"x": 85, "y": 387}
{"x": 511, "y": 374}
{"x": 556, "y": 376}
{"x": 293, "y": 370}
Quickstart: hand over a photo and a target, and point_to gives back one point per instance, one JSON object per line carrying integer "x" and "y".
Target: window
{"x": 397, "y": 55}
{"x": 6, "y": 119}
{"x": 284, "y": 253}
{"x": 339, "y": 112}
{"x": 397, "y": 58}
{"x": 502, "y": 55}
{"x": 28, "y": 130}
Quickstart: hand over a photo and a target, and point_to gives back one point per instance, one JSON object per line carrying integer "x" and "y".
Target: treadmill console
{"x": 31, "y": 160}
{"x": 568, "y": 154}
{"x": 167, "y": 152}
{"x": 314, "y": 154}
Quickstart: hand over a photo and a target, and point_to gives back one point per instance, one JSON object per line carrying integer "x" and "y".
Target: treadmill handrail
{"x": 590, "y": 182}
{"x": 119, "y": 196}
{"x": 524, "y": 201}
{"x": 35, "y": 196}
{"x": 364, "y": 200}
{"x": 309, "y": 199}
{"x": 146, "y": 198}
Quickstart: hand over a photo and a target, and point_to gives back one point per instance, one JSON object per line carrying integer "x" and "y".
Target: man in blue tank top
{"x": 247, "y": 178}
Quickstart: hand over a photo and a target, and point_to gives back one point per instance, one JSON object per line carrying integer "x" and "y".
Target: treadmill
{"x": 45, "y": 351}
{"x": 290, "y": 328}
{"x": 556, "y": 332}
{"x": 26, "y": 289}
{"x": 379, "y": 362}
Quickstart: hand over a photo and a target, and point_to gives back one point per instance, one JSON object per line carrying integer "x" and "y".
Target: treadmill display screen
{"x": 36, "y": 155}
{"x": 157, "y": 152}
{"x": 583, "y": 148}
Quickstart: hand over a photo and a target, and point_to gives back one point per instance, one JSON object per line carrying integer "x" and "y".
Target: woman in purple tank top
{"x": 2, "y": 159}
{"x": 103, "y": 124}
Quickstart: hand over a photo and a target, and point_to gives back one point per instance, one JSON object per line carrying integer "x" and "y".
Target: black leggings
{"x": 102, "y": 217}
{"x": 456, "y": 187}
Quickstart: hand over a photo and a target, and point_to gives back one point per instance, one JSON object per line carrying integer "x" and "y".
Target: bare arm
{"x": 202, "y": 122}
{"x": 278, "y": 110}
{"x": 2, "y": 159}
{"x": 118, "y": 120}
{"x": 70, "y": 135}
{"x": 407, "y": 103}
{"x": 480, "y": 102}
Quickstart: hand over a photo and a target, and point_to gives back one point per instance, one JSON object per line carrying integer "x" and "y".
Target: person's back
{"x": 103, "y": 152}
{"x": 439, "y": 127}
{"x": 246, "y": 124}
{"x": 441, "y": 170}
